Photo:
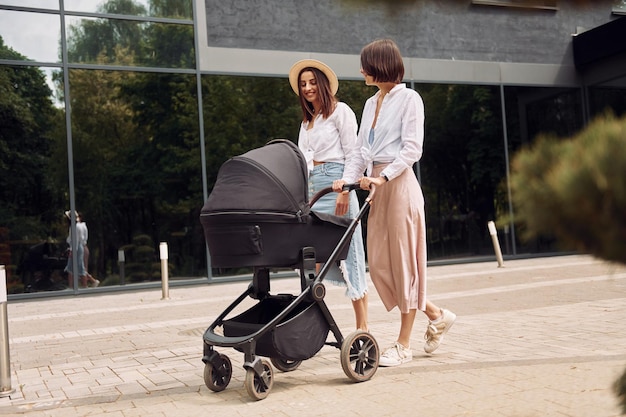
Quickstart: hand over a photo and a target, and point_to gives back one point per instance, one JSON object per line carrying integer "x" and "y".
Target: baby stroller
{"x": 258, "y": 215}
{"x": 42, "y": 267}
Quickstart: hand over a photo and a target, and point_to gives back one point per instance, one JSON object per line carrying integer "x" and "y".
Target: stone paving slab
{"x": 538, "y": 337}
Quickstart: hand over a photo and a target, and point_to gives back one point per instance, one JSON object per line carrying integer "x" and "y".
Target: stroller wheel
{"x": 285, "y": 365}
{"x": 216, "y": 378}
{"x": 359, "y": 356}
{"x": 259, "y": 386}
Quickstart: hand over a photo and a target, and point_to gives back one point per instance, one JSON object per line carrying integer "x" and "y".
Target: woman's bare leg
{"x": 360, "y": 312}
{"x": 406, "y": 326}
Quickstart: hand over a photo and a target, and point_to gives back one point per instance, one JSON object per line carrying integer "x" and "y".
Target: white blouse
{"x": 330, "y": 140}
{"x": 82, "y": 234}
{"x": 398, "y": 135}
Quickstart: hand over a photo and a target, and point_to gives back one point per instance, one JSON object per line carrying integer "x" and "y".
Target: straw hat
{"x": 68, "y": 214}
{"x": 294, "y": 73}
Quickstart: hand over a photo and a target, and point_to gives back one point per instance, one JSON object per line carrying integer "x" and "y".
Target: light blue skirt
{"x": 81, "y": 263}
{"x": 351, "y": 272}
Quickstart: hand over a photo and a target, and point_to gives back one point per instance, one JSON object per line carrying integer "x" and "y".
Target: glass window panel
{"x": 39, "y": 4}
{"x": 34, "y": 36}
{"x": 533, "y": 111}
{"x": 178, "y": 9}
{"x": 130, "y": 43}
{"x": 607, "y": 98}
{"x": 33, "y": 181}
{"x": 462, "y": 168}
{"x": 137, "y": 172}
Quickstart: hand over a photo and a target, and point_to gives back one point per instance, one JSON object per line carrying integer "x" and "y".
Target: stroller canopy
{"x": 272, "y": 178}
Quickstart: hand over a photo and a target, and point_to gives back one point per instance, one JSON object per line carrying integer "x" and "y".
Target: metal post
{"x": 121, "y": 259}
{"x": 496, "y": 244}
{"x": 164, "y": 271}
{"x": 506, "y": 239}
{"x": 5, "y": 362}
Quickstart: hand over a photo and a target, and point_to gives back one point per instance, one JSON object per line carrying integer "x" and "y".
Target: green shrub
{"x": 575, "y": 189}
{"x": 620, "y": 391}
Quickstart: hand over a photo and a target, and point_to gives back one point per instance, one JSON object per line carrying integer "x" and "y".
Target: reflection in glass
{"x": 131, "y": 43}
{"x": 137, "y": 172}
{"x": 34, "y": 36}
{"x": 607, "y": 98}
{"x": 178, "y": 9}
{"x": 52, "y": 74}
{"x": 33, "y": 178}
{"x": 39, "y": 4}
{"x": 535, "y": 111}
{"x": 463, "y": 167}
{"x": 554, "y": 111}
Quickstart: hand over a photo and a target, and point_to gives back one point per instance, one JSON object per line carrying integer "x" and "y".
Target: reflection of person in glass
{"x": 90, "y": 279}
{"x": 82, "y": 234}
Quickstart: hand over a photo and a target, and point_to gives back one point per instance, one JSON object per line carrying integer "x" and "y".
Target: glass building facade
{"x": 106, "y": 110}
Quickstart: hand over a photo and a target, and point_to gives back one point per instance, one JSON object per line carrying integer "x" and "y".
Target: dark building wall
{"x": 424, "y": 29}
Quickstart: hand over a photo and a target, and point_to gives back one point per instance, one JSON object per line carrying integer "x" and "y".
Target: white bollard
{"x": 5, "y": 361}
{"x": 496, "y": 245}
{"x": 164, "y": 271}
{"x": 121, "y": 260}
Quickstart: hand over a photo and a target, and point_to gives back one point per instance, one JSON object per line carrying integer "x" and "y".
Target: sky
{"x": 36, "y": 35}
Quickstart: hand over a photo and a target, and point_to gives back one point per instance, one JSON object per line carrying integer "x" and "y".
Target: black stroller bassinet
{"x": 259, "y": 215}
{"x": 258, "y": 212}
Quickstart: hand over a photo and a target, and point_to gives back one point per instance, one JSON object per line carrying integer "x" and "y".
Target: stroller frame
{"x": 359, "y": 350}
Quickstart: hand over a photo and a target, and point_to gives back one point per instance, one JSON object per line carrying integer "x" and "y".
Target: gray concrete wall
{"x": 441, "y": 30}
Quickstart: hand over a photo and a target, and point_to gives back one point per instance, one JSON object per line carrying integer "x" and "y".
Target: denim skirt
{"x": 81, "y": 263}
{"x": 351, "y": 272}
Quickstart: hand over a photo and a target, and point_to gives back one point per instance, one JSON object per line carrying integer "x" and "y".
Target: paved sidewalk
{"x": 538, "y": 337}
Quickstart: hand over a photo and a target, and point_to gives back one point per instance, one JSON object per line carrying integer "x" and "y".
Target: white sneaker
{"x": 435, "y": 331}
{"x": 395, "y": 355}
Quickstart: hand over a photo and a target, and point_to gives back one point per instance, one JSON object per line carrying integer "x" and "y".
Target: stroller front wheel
{"x": 259, "y": 385}
{"x": 359, "y": 356}
{"x": 217, "y": 378}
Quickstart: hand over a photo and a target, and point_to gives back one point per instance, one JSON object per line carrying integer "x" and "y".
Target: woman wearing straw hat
{"x": 327, "y": 138}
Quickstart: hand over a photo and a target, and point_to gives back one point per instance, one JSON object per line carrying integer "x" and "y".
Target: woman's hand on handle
{"x": 338, "y": 186}
{"x": 366, "y": 182}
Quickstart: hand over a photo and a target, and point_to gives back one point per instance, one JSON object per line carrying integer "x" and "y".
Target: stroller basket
{"x": 298, "y": 337}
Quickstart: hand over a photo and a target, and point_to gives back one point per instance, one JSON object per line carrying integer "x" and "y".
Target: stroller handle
{"x": 346, "y": 187}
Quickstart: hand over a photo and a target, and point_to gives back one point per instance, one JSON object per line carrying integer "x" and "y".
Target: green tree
{"x": 91, "y": 40}
{"x": 135, "y": 134}
{"x": 181, "y": 9}
{"x": 28, "y": 122}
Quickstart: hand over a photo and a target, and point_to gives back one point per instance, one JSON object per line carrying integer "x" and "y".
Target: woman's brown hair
{"x": 327, "y": 100}
{"x": 382, "y": 60}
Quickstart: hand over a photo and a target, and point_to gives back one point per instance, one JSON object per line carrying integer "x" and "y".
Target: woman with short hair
{"x": 391, "y": 136}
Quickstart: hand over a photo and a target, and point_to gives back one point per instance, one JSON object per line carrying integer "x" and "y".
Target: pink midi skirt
{"x": 396, "y": 242}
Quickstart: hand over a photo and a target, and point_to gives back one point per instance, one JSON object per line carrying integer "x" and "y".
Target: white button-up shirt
{"x": 330, "y": 140}
{"x": 82, "y": 234}
{"x": 398, "y": 135}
